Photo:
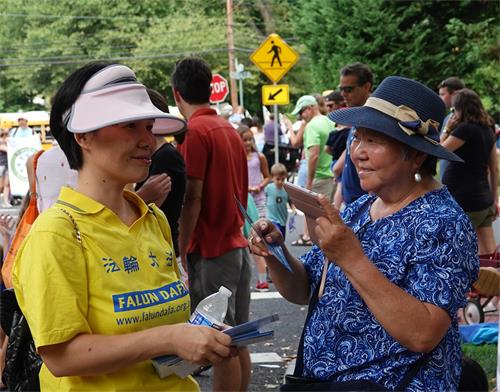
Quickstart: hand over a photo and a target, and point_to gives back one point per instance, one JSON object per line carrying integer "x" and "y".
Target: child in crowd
{"x": 277, "y": 198}
{"x": 258, "y": 178}
{"x": 258, "y": 170}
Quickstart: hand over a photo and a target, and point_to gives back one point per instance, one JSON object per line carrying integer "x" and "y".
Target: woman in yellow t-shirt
{"x": 97, "y": 277}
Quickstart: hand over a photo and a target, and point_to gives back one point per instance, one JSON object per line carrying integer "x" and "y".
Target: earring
{"x": 417, "y": 177}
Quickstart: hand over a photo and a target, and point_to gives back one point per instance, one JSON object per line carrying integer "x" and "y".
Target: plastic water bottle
{"x": 212, "y": 310}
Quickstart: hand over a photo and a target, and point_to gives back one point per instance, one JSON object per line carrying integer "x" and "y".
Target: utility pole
{"x": 230, "y": 51}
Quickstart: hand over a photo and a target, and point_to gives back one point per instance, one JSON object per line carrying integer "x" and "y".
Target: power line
{"x": 86, "y": 55}
{"x": 48, "y": 16}
{"x": 119, "y": 17}
{"x": 128, "y": 58}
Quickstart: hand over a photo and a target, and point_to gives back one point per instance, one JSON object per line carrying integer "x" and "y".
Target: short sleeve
{"x": 50, "y": 282}
{"x": 462, "y": 132}
{"x": 446, "y": 263}
{"x": 330, "y": 142}
{"x": 195, "y": 153}
{"x": 313, "y": 136}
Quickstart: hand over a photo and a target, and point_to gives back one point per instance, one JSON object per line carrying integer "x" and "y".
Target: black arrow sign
{"x": 272, "y": 96}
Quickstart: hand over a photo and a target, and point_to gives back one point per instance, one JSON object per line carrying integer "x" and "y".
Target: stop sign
{"x": 219, "y": 87}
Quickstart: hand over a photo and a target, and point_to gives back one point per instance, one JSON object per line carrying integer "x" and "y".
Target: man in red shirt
{"x": 212, "y": 247}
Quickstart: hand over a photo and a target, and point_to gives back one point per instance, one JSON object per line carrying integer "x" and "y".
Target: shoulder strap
{"x": 299, "y": 362}
{"x": 35, "y": 165}
{"x": 77, "y": 231}
{"x": 413, "y": 370}
{"x": 152, "y": 211}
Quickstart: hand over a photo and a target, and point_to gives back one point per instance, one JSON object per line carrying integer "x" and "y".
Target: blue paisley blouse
{"x": 428, "y": 249}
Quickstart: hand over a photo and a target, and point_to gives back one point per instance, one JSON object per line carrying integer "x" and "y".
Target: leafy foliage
{"x": 425, "y": 40}
{"x": 42, "y": 41}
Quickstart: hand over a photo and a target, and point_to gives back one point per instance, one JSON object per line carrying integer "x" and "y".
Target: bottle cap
{"x": 225, "y": 291}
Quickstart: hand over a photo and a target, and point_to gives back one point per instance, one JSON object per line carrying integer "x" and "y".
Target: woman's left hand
{"x": 336, "y": 240}
{"x": 269, "y": 232}
{"x": 452, "y": 123}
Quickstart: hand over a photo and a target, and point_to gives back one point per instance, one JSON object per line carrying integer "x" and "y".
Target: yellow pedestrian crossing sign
{"x": 275, "y": 94}
{"x": 274, "y": 57}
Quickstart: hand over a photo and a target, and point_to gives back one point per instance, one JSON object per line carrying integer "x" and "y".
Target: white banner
{"x": 19, "y": 149}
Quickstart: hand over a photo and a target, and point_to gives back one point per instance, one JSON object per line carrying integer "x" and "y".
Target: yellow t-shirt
{"x": 118, "y": 280}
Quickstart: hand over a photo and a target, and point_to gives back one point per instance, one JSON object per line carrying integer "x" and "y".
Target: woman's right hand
{"x": 198, "y": 344}
{"x": 453, "y": 121}
{"x": 268, "y": 231}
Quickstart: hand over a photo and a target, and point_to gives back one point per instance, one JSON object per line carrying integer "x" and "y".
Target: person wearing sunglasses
{"x": 356, "y": 82}
{"x": 387, "y": 276}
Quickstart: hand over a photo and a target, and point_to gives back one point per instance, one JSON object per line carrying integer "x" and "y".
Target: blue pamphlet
{"x": 274, "y": 249}
{"x": 242, "y": 335}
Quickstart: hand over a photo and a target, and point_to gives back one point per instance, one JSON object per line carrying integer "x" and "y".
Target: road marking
{"x": 291, "y": 367}
{"x": 265, "y": 357}
{"x": 265, "y": 295}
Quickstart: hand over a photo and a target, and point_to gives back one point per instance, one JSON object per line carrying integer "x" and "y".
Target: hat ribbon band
{"x": 408, "y": 119}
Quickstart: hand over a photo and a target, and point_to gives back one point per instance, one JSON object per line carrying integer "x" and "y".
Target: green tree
{"x": 425, "y": 40}
{"x": 42, "y": 41}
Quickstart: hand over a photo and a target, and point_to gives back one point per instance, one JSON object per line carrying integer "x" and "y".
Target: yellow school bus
{"x": 38, "y": 120}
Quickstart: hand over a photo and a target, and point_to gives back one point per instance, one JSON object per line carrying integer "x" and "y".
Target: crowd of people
{"x": 135, "y": 231}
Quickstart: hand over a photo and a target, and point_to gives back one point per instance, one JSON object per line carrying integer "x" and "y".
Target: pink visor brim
{"x": 118, "y": 104}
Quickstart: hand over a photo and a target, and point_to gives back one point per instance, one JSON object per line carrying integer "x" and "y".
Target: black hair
{"x": 428, "y": 167}
{"x": 192, "y": 77}
{"x": 247, "y": 121}
{"x": 62, "y": 101}
{"x": 452, "y": 84}
{"x": 256, "y": 122}
{"x": 161, "y": 103}
{"x": 362, "y": 71}
{"x": 473, "y": 377}
{"x": 334, "y": 96}
{"x": 158, "y": 100}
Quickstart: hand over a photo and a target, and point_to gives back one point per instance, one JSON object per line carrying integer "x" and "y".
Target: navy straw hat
{"x": 402, "y": 109}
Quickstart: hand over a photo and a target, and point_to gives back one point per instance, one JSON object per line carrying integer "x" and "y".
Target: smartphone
{"x": 307, "y": 202}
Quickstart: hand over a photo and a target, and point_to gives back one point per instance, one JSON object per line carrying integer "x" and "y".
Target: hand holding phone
{"x": 307, "y": 202}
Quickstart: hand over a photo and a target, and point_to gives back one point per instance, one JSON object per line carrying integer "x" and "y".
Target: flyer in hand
{"x": 242, "y": 335}
{"x": 274, "y": 249}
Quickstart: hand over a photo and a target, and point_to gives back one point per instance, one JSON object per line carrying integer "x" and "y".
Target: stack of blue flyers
{"x": 242, "y": 335}
{"x": 274, "y": 249}
{"x": 248, "y": 333}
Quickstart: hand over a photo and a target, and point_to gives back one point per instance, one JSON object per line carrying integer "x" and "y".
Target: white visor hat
{"x": 113, "y": 96}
